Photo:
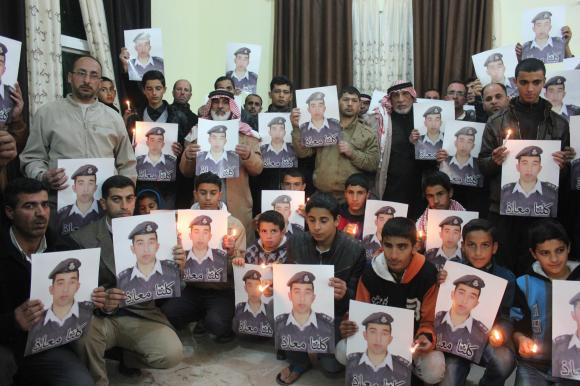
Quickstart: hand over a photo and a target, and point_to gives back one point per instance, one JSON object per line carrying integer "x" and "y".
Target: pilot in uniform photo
{"x": 462, "y": 168}
{"x": 529, "y": 196}
{"x": 225, "y": 164}
{"x": 144, "y": 62}
{"x": 432, "y": 141}
{"x": 372, "y": 243}
{"x": 65, "y": 319}
{"x": 555, "y": 92}
{"x": 6, "y": 102}
{"x": 450, "y": 235}
{"x": 298, "y": 329}
{"x": 150, "y": 278}
{"x": 283, "y": 205}
{"x": 548, "y": 49}
{"x": 377, "y": 365}
{"x": 86, "y": 208}
{"x": 156, "y": 165}
{"x": 254, "y": 317}
{"x": 204, "y": 264}
{"x": 244, "y": 80}
{"x": 566, "y": 352}
{"x": 319, "y": 131}
{"x": 278, "y": 153}
{"x": 495, "y": 68}
{"x": 458, "y": 325}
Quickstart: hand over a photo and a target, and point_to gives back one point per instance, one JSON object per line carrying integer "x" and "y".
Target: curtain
{"x": 446, "y": 34}
{"x": 313, "y": 42}
{"x": 382, "y": 34}
{"x": 43, "y": 52}
{"x": 95, "y": 24}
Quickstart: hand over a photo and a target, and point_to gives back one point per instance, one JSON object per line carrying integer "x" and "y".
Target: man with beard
{"x": 252, "y": 107}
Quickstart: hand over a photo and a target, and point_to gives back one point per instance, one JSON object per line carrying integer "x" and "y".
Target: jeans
{"x": 527, "y": 375}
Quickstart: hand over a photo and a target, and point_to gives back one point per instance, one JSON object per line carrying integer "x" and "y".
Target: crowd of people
{"x": 373, "y": 159}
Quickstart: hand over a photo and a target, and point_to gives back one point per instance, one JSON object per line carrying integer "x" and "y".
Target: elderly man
{"x": 181, "y": 96}
{"x": 221, "y": 107}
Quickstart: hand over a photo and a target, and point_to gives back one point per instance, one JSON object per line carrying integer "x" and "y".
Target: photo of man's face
{"x": 200, "y": 236}
{"x": 575, "y": 314}
{"x": 464, "y": 299}
{"x": 85, "y": 188}
{"x": 542, "y": 29}
{"x": 450, "y": 236}
{"x": 433, "y": 123}
{"x": 464, "y": 145}
{"x": 63, "y": 289}
{"x": 284, "y": 209}
{"x": 252, "y": 288}
{"x": 155, "y": 143}
{"x": 302, "y": 296}
{"x": 143, "y": 47}
{"x": 381, "y": 220}
{"x": 277, "y": 133}
{"x": 496, "y": 71}
{"x": 316, "y": 108}
{"x": 555, "y": 94}
{"x": 378, "y": 337}
{"x": 529, "y": 167}
{"x": 145, "y": 248}
{"x": 217, "y": 142}
{"x": 241, "y": 61}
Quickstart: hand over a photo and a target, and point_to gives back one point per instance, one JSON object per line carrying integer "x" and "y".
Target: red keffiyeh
{"x": 398, "y": 86}
{"x": 206, "y": 110}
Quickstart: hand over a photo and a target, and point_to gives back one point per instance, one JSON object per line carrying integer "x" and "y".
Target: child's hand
{"x": 527, "y": 347}
{"x": 496, "y": 337}
{"x": 239, "y": 261}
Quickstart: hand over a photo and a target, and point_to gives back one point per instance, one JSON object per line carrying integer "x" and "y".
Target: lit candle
{"x": 535, "y": 348}
{"x": 496, "y": 334}
{"x": 263, "y": 266}
{"x": 421, "y": 234}
{"x": 128, "y": 104}
{"x": 507, "y": 136}
{"x": 262, "y": 287}
{"x": 353, "y": 230}
{"x": 414, "y": 348}
{"x": 233, "y": 232}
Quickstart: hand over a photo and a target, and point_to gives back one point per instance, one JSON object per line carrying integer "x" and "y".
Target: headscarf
{"x": 398, "y": 86}
{"x": 234, "y": 110}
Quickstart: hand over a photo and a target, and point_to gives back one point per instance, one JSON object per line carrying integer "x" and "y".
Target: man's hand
{"x": 229, "y": 244}
{"x": 347, "y": 328}
{"x": 496, "y": 337}
{"x": 16, "y": 96}
{"x": 301, "y": 210}
{"x": 441, "y": 277}
{"x": 244, "y": 151}
{"x": 519, "y": 49}
{"x": 177, "y": 149}
{"x": 561, "y": 158}
{"x": 477, "y": 87}
{"x": 115, "y": 297}
{"x": 345, "y": 148}
{"x": 179, "y": 255}
{"x": 56, "y": 178}
{"x": 99, "y": 297}
{"x": 423, "y": 344}
{"x": 414, "y": 136}
{"x": 566, "y": 34}
{"x": 525, "y": 346}
{"x": 441, "y": 155}
{"x": 295, "y": 117}
{"x": 339, "y": 287}
{"x": 28, "y": 314}
{"x": 191, "y": 151}
{"x": 124, "y": 56}
{"x": 8, "y": 149}
{"x": 499, "y": 155}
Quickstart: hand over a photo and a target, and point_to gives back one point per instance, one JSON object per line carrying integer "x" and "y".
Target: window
{"x": 73, "y": 37}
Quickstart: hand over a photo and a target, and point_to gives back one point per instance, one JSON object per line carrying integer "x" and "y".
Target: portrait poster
{"x": 376, "y": 98}
{"x": 218, "y": 141}
{"x": 78, "y": 204}
{"x": 566, "y": 329}
{"x": 145, "y": 48}
{"x": 444, "y": 234}
{"x": 462, "y": 142}
{"x": 467, "y": 304}
{"x": 541, "y": 34}
{"x": 9, "y": 62}
{"x": 143, "y": 247}
{"x": 380, "y": 351}
{"x": 304, "y": 308}
{"x": 562, "y": 90}
{"x": 529, "y": 179}
{"x": 155, "y": 158}
{"x": 202, "y": 233}
{"x": 63, "y": 282}
{"x": 243, "y": 65}
{"x": 276, "y": 147}
{"x": 575, "y": 144}
{"x": 286, "y": 202}
{"x": 377, "y": 214}
{"x": 497, "y": 65}
{"x": 254, "y": 312}
{"x": 319, "y": 117}
{"x": 431, "y": 118}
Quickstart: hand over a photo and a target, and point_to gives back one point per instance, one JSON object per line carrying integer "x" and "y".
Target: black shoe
{"x": 225, "y": 338}
{"x": 281, "y": 355}
{"x": 199, "y": 329}
{"x": 127, "y": 371}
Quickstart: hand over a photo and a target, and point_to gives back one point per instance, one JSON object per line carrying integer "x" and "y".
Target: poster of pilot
{"x": 497, "y": 65}
{"x": 377, "y": 213}
{"x": 63, "y": 282}
{"x": 562, "y": 90}
{"x": 254, "y": 311}
{"x": 575, "y": 144}
{"x": 467, "y": 304}
{"x": 462, "y": 143}
{"x": 379, "y": 353}
{"x": 529, "y": 179}
{"x": 286, "y": 202}
{"x": 9, "y": 63}
{"x": 218, "y": 141}
{"x": 431, "y": 118}
{"x": 202, "y": 233}
{"x": 243, "y": 66}
{"x": 276, "y": 146}
{"x": 304, "y": 308}
{"x": 155, "y": 158}
{"x": 319, "y": 117}
{"x": 145, "y": 49}
{"x": 566, "y": 329}
{"x": 541, "y": 33}
{"x": 144, "y": 262}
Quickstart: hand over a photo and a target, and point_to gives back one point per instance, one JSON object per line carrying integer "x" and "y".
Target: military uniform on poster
{"x": 249, "y": 81}
{"x": 250, "y": 323}
{"x": 552, "y": 52}
{"x": 212, "y": 267}
{"x": 426, "y": 148}
{"x": 436, "y": 256}
{"x": 227, "y": 166}
{"x": 164, "y": 169}
{"x": 326, "y": 135}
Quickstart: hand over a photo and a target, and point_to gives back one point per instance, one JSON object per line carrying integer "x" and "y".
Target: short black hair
{"x": 105, "y": 79}
{"x": 293, "y": 172}
{"x": 470, "y": 80}
{"x": 547, "y": 229}
{"x": 400, "y": 227}
{"x": 21, "y": 186}
{"x": 324, "y": 201}
{"x": 253, "y": 95}
{"x": 208, "y": 178}
{"x": 272, "y": 217}
{"x": 281, "y": 80}
{"x": 221, "y": 79}
{"x": 479, "y": 224}
{"x": 497, "y": 84}
{"x": 431, "y": 89}
{"x": 530, "y": 65}
{"x": 349, "y": 90}
{"x": 357, "y": 179}
{"x": 117, "y": 182}
{"x": 436, "y": 178}
{"x": 153, "y": 75}
{"x": 148, "y": 193}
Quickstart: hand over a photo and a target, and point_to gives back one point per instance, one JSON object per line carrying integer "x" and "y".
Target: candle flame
{"x": 263, "y": 266}
{"x": 509, "y": 132}
{"x": 535, "y": 348}
{"x": 496, "y": 334}
{"x": 414, "y": 348}
{"x": 354, "y": 230}
{"x": 421, "y": 234}
{"x": 233, "y": 232}
{"x": 262, "y": 287}
{"x": 128, "y": 104}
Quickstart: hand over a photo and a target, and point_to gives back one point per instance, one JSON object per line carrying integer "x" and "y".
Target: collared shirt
{"x": 460, "y": 166}
{"x": 254, "y": 314}
{"x": 246, "y": 75}
{"x": 388, "y": 361}
{"x": 149, "y": 62}
{"x": 224, "y": 157}
{"x": 51, "y": 316}
{"x": 137, "y": 273}
{"x": 311, "y": 320}
{"x": 93, "y": 208}
{"x": 154, "y": 163}
{"x": 563, "y": 110}
{"x": 109, "y": 226}
{"x": 324, "y": 124}
{"x": 208, "y": 255}
{"x": 468, "y": 323}
{"x": 548, "y": 43}
{"x": 537, "y": 188}
{"x": 456, "y": 254}
{"x": 427, "y": 139}
{"x": 574, "y": 341}
{"x": 459, "y": 118}
{"x": 375, "y": 239}
{"x": 2, "y": 90}
{"x": 284, "y": 148}
{"x": 41, "y": 247}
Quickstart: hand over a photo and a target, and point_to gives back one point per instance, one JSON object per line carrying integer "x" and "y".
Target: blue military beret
{"x": 386, "y": 210}
{"x": 85, "y": 170}
{"x": 142, "y": 36}
{"x": 555, "y": 81}
{"x": 220, "y": 129}
{"x": 575, "y": 298}
{"x": 201, "y": 220}
{"x": 243, "y": 51}
{"x": 451, "y": 220}
{"x": 472, "y": 281}
{"x": 302, "y": 277}
{"x": 530, "y": 151}
{"x": 277, "y": 121}
{"x": 432, "y": 110}
{"x": 65, "y": 266}
{"x": 495, "y": 57}
{"x": 378, "y": 318}
{"x": 544, "y": 15}
{"x": 155, "y": 131}
{"x": 466, "y": 131}
{"x": 144, "y": 228}
{"x": 283, "y": 199}
{"x": 252, "y": 274}
{"x": 316, "y": 96}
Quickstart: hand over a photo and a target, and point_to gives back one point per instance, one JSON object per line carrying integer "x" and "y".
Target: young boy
{"x": 550, "y": 247}
{"x": 293, "y": 179}
{"x": 270, "y": 247}
{"x": 352, "y": 212}
{"x": 401, "y": 277}
{"x": 147, "y": 200}
{"x": 479, "y": 247}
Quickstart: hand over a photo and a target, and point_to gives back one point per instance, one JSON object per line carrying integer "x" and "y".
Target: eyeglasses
{"x": 83, "y": 74}
{"x": 454, "y": 93}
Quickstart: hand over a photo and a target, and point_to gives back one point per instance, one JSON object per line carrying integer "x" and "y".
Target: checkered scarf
{"x": 398, "y": 85}
{"x": 235, "y": 111}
